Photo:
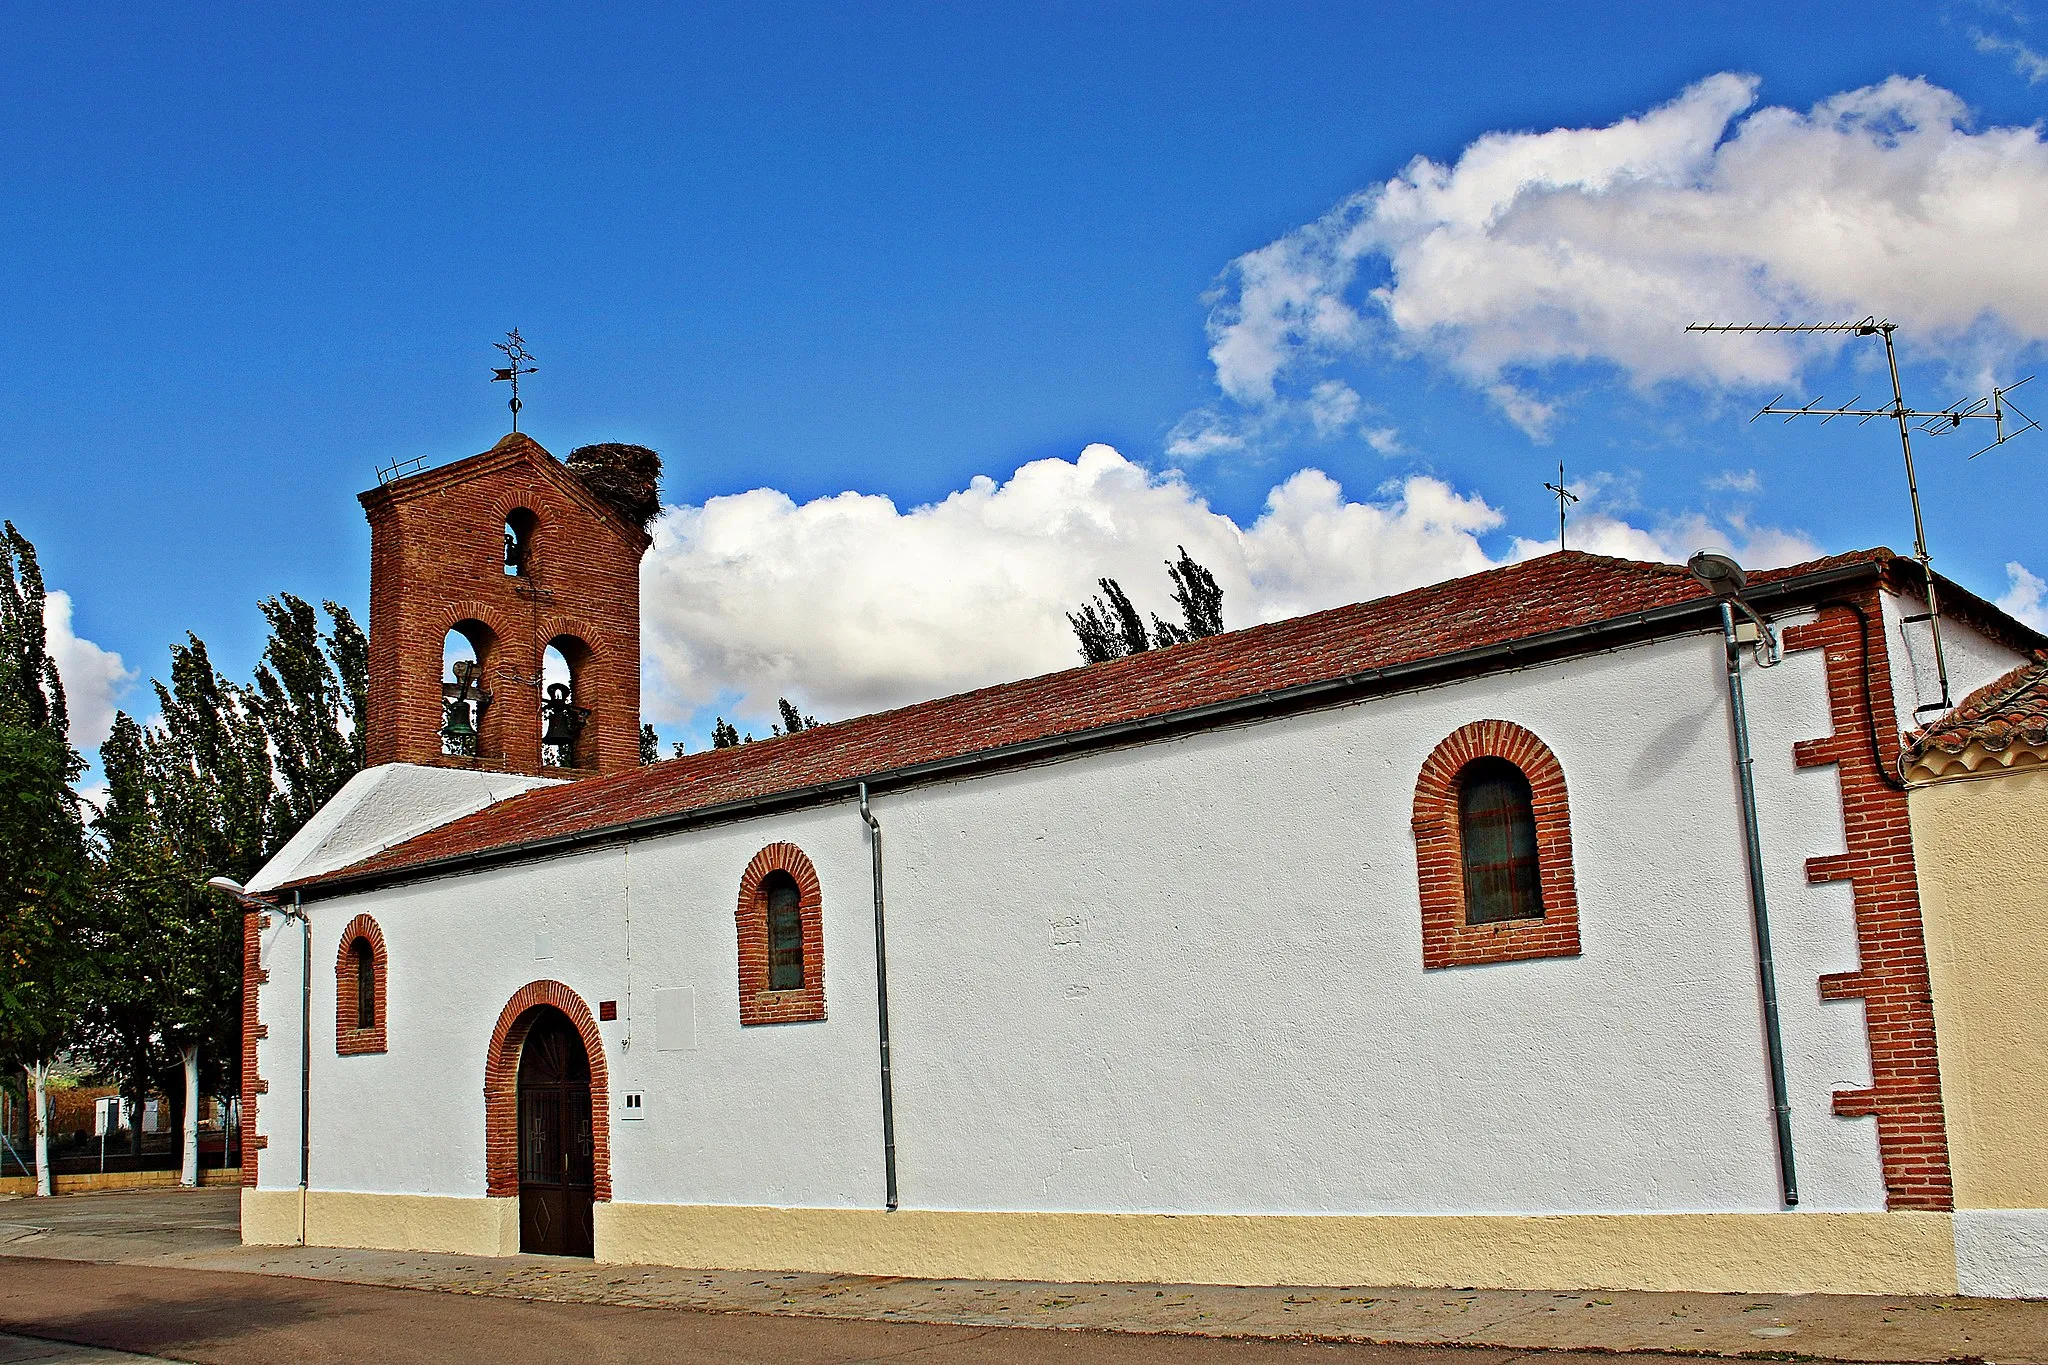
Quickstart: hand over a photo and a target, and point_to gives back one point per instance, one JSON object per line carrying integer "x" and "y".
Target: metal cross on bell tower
{"x": 515, "y": 351}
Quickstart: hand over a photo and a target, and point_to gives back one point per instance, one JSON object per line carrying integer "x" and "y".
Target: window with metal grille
{"x": 1497, "y": 837}
{"x": 785, "y": 932}
{"x": 366, "y": 984}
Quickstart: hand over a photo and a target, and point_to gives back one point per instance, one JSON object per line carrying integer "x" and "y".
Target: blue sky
{"x": 247, "y": 256}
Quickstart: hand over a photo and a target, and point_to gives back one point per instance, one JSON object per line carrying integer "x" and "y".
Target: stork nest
{"x": 626, "y": 477}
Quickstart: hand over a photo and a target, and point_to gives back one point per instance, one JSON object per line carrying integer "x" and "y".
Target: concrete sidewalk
{"x": 196, "y": 1236}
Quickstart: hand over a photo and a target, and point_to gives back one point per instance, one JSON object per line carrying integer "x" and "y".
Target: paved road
{"x": 213, "y": 1316}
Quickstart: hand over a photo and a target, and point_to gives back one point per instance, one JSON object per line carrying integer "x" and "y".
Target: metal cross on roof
{"x": 515, "y": 351}
{"x": 1565, "y": 497}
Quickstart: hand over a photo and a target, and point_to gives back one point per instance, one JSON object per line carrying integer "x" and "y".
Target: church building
{"x": 1579, "y": 923}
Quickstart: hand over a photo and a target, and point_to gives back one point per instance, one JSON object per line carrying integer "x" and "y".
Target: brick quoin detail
{"x": 1447, "y": 940}
{"x": 437, "y": 558}
{"x": 1892, "y": 982}
{"x": 758, "y": 1004}
{"x": 501, "y": 1087}
{"x": 253, "y": 978}
{"x": 351, "y": 1039}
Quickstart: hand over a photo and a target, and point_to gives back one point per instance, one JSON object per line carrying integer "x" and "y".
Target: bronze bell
{"x": 456, "y": 727}
{"x": 565, "y": 721}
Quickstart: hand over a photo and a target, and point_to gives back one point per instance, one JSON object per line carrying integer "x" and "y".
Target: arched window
{"x": 1497, "y": 842}
{"x": 781, "y": 924}
{"x": 519, "y": 527}
{"x": 1493, "y": 849}
{"x": 366, "y": 984}
{"x": 360, "y": 1002}
{"x": 785, "y": 932}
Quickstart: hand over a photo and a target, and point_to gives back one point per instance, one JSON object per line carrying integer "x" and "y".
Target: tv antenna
{"x": 515, "y": 351}
{"x": 1995, "y": 409}
{"x": 1565, "y": 497}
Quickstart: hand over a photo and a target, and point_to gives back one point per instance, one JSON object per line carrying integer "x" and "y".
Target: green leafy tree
{"x": 43, "y": 871}
{"x": 650, "y": 746}
{"x": 136, "y": 886}
{"x": 726, "y": 736}
{"x": 1110, "y": 627}
{"x": 194, "y": 797}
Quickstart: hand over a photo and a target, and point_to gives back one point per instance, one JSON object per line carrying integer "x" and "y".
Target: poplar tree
{"x": 1109, "y": 626}
{"x": 793, "y": 720}
{"x": 43, "y": 882}
{"x": 310, "y": 693}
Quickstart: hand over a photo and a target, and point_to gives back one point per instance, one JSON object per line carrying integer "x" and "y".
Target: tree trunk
{"x": 39, "y": 1118}
{"x": 188, "y": 1174}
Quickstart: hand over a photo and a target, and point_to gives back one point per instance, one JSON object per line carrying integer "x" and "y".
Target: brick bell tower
{"x": 514, "y": 552}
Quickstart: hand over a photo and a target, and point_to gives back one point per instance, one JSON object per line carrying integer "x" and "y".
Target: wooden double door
{"x": 557, "y": 1169}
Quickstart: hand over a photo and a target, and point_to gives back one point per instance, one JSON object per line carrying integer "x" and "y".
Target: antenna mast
{"x": 1993, "y": 409}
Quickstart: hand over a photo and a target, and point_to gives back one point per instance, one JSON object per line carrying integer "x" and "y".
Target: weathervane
{"x": 1565, "y": 497}
{"x": 1994, "y": 409}
{"x": 515, "y": 351}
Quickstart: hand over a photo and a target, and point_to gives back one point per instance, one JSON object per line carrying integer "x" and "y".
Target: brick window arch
{"x": 501, "y": 1088}
{"x": 362, "y": 949}
{"x": 781, "y": 938}
{"x": 1514, "y": 920}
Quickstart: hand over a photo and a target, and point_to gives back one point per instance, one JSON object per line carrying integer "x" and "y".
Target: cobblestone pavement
{"x": 195, "y": 1230}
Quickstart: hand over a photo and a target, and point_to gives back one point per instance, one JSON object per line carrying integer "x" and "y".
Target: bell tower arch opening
{"x": 465, "y": 696}
{"x": 565, "y": 719}
{"x": 520, "y": 524}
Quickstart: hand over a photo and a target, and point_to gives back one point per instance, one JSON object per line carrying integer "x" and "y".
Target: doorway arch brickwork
{"x": 501, "y": 1088}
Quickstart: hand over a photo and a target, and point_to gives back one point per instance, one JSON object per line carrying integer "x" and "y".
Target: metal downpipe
{"x": 1766, "y": 967}
{"x": 882, "y": 1003}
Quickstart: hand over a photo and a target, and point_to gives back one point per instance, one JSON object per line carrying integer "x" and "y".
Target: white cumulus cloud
{"x": 2026, "y": 596}
{"x": 1599, "y": 244}
{"x": 848, "y": 604}
{"x": 94, "y": 678}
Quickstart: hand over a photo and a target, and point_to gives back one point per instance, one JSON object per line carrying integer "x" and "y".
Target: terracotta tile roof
{"x": 2010, "y": 710}
{"x": 1499, "y": 606}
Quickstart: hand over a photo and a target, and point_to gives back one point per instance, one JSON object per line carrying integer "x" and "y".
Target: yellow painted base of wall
{"x": 90, "y": 1181}
{"x": 1842, "y": 1253}
{"x": 270, "y": 1218}
{"x": 1786, "y": 1253}
{"x": 384, "y": 1222}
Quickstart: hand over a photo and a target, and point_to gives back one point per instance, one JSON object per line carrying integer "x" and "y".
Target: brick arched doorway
{"x": 551, "y": 1151}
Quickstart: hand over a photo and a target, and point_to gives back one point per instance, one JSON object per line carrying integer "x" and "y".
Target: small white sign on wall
{"x": 675, "y": 1019}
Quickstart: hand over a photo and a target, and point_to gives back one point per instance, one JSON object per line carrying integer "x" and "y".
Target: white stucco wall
{"x": 1972, "y": 659}
{"x": 1178, "y": 977}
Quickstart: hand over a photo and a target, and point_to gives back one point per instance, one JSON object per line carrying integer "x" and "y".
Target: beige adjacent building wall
{"x": 1981, "y": 843}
